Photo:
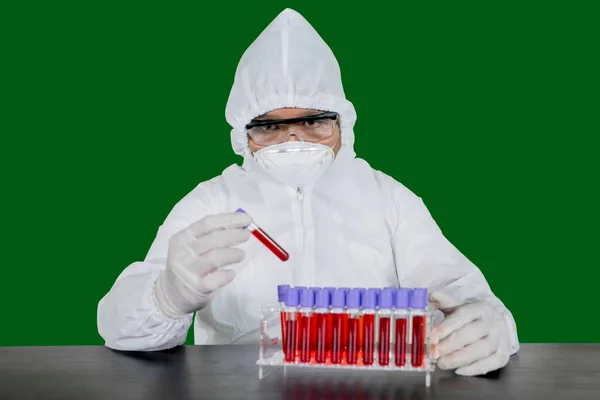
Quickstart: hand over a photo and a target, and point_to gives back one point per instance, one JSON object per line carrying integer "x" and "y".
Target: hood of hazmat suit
{"x": 352, "y": 227}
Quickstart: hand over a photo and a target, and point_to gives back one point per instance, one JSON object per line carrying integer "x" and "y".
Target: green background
{"x": 113, "y": 111}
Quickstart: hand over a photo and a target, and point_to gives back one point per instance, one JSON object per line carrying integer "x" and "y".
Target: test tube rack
{"x": 272, "y": 354}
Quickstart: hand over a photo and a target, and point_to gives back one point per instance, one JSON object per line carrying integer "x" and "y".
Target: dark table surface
{"x": 543, "y": 371}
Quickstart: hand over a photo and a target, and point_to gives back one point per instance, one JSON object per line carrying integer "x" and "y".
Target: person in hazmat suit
{"x": 343, "y": 223}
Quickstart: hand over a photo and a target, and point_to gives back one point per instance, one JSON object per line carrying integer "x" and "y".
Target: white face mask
{"x": 295, "y": 163}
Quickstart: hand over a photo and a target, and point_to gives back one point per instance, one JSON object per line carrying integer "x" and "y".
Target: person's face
{"x": 286, "y": 113}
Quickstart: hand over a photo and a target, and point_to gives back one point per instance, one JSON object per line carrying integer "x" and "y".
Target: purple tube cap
{"x": 323, "y": 298}
{"x": 418, "y": 298}
{"x": 338, "y": 298}
{"x": 402, "y": 298}
{"x": 307, "y": 298}
{"x": 386, "y": 298}
{"x": 292, "y": 297}
{"x": 353, "y": 298}
{"x": 369, "y": 299}
{"x": 282, "y": 292}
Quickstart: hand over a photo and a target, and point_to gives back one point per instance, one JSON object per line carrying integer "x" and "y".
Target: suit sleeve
{"x": 128, "y": 318}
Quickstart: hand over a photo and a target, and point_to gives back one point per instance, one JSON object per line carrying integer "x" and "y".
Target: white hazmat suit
{"x": 352, "y": 227}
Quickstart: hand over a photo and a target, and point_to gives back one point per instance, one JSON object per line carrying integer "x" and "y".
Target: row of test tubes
{"x": 359, "y": 326}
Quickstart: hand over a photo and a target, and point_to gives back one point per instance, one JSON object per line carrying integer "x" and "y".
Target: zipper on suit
{"x": 301, "y": 232}
{"x": 300, "y": 195}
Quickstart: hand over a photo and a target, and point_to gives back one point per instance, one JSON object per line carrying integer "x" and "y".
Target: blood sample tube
{"x": 369, "y": 304}
{"x": 377, "y": 320}
{"x": 384, "y": 314}
{"x": 345, "y": 332}
{"x": 266, "y": 240}
{"x": 329, "y": 332}
{"x": 418, "y": 304}
{"x": 291, "y": 324}
{"x": 354, "y": 319}
{"x": 339, "y": 326}
{"x": 323, "y": 326}
{"x": 361, "y": 322}
{"x": 281, "y": 295}
{"x": 400, "y": 315}
{"x": 306, "y": 324}
{"x": 300, "y": 289}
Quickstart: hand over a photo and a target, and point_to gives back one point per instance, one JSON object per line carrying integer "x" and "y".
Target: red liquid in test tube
{"x": 400, "y": 342}
{"x": 291, "y": 327}
{"x": 283, "y": 328}
{"x": 384, "y": 341}
{"x": 361, "y": 341}
{"x": 339, "y": 326}
{"x": 290, "y": 341}
{"x": 385, "y": 302}
{"x": 339, "y": 330}
{"x": 307, "y": 325}
{"x": 322, "y": 325}
{"x": 369, "y": 304}
{"x": 353, "y": 333}
{"x": 369, "y": 338}
{"x": 354, "y": 324}
{"x": 418, "y": 303}
{"x": 418, "y": 341}
{"x": 323, "y": 328}
{"x": 345, "y": 331}
{"x": 313, "y": 337}
{"x": 329, "y": 336}
{"x": 401, "y": 303}
{"x": 266, "y": 240}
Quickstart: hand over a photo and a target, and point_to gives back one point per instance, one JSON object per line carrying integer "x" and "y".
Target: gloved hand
{"x": 472, "y": 338}
{"x": 194, "y": 259}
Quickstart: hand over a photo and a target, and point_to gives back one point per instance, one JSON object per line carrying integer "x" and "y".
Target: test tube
{"x": 339, "y": 326}
{"x": 323, "y": 319}
{"x": 354, "y": 322}
{"x": 266, "y": 239}
{"x": 384, "y": 313}
{"x": 401, "y": 304}
{"x": 418, "y": 304}
{"x": 281, "y": 295}
{"x": 305, "y": 324}
{"x": 329, "y": 332}
{"x": 378, "y": 291}
{"x": 300, "y": 289}
{"x": 291, "y": 324}
{"x": 369, "y": 304}
{"x": 361, "y": 323}
{"x": 345, "y": 332}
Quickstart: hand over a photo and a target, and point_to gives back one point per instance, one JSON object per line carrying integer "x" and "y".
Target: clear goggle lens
{"x": 307, "y": 129}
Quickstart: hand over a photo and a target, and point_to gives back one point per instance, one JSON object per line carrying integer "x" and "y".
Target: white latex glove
{"x": 472, "y": 338}
{"x": 195, "y": 257}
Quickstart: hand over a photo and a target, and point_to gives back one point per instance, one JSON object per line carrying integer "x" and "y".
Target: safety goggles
{"x": 311, "y": 128}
